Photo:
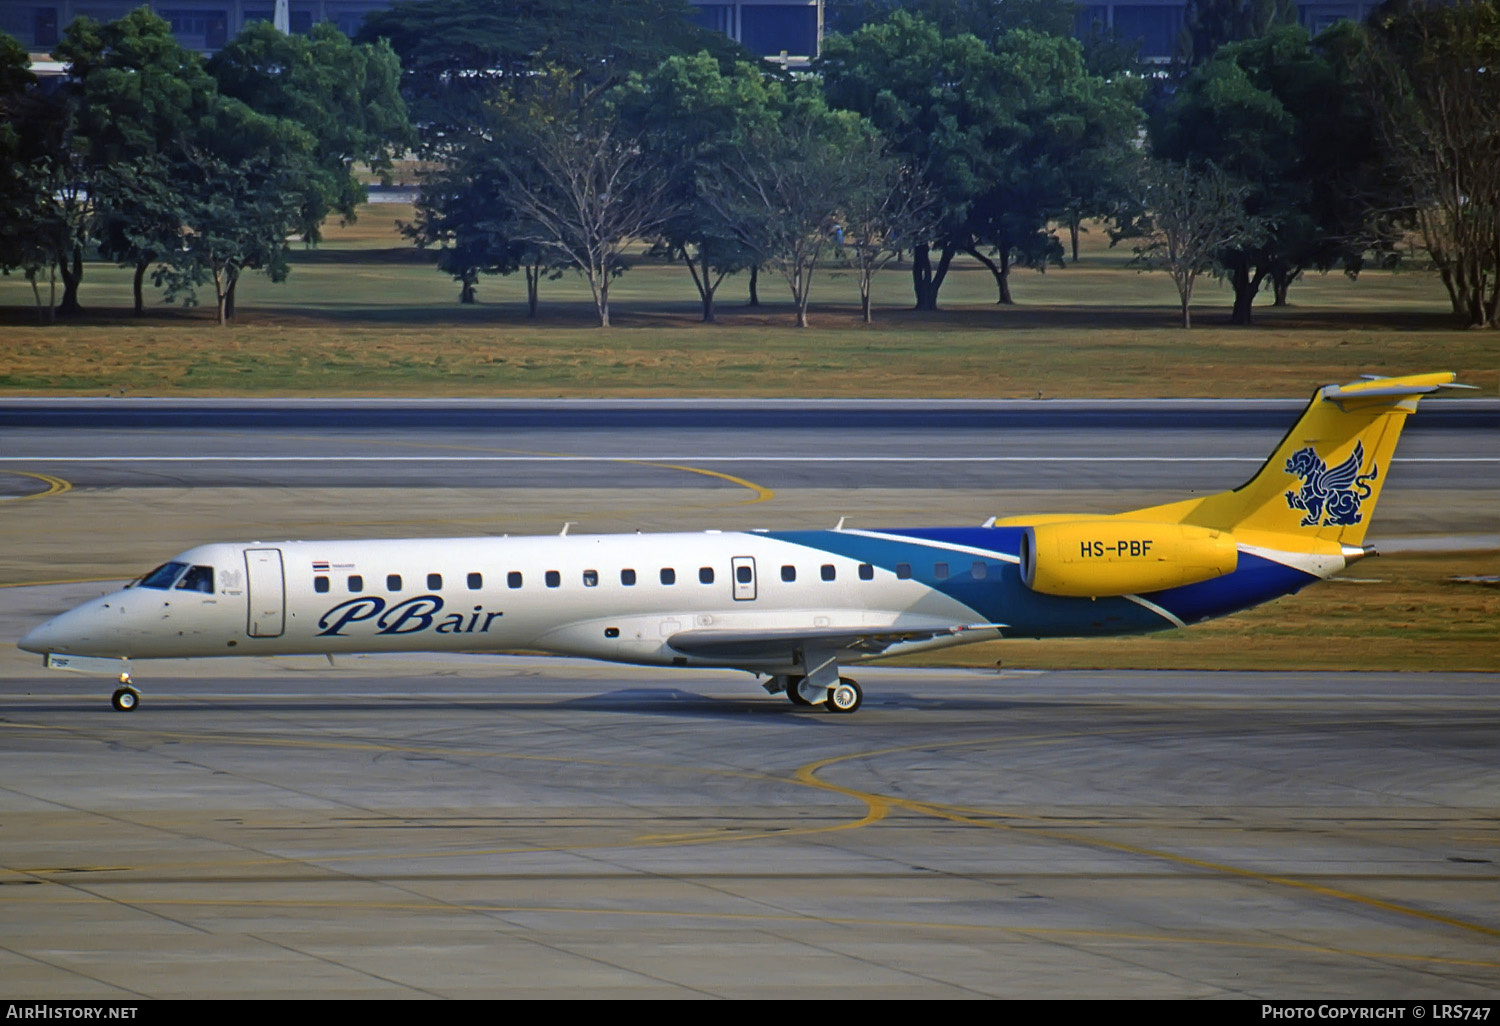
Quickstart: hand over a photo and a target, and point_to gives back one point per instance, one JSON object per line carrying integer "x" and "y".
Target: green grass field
{"x": 364, "y": 314}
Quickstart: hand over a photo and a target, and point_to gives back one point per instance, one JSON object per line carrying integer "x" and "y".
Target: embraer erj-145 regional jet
{"x": 793, "y": 606}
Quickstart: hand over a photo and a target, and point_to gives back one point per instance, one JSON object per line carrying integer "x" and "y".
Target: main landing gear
{"x": 126, "y": 697}
{"x": 845, "y": 696}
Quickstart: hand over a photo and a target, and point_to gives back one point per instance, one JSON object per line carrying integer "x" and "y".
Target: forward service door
{"x": 267, "y": 597}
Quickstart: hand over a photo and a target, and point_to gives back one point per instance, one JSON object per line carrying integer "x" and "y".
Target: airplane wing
{"x": 756, "y": 646}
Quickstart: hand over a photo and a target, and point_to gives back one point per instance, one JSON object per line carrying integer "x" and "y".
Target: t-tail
{"x": 1307, "y": 508}
{"x": 1317, "y": 492}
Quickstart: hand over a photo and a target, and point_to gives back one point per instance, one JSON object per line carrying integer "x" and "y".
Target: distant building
{"x": 1156, "y": 23}
{"x": 772, "y": 28}
{"x": 788, "y": 29}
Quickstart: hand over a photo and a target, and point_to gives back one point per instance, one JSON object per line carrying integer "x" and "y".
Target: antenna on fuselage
{"x": 566, "y": 524}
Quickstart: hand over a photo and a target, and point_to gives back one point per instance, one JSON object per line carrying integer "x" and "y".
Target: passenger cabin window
{"x": 866, "y": 572}
{"x": 198, "y": 578}
{"x": 979, "y": 570}
{"x": 627, "y": 578}
{"x": 828, "y": 572}
{"x": 164, "y": 576}
{"x": 940, "y": 570}
{"x": 705, "y": 575}
{"x": 789, "y": 573}
{"x": 434, "y": 582}
{"x": 668, "y": 575}
{"x": 513, "y": 579}
{"x": 356, "y": 583}
{"x": 903, "y": 571}
{"x": 392, "y": 582}
{"x": 553, "y": 578}
{"x": 476, "y": 581}
{"x": 320, "y": 585}
{"x": 743, "y": 574}
{"x": 591, "y": 578}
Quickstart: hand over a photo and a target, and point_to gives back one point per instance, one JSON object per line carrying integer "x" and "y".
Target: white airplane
{"x": 793, "y": 606}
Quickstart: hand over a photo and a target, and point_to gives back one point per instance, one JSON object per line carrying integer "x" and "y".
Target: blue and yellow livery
{"x": 791, "y": 606}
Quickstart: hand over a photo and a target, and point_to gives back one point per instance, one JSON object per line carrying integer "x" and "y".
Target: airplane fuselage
{"x": 621, "y": 597}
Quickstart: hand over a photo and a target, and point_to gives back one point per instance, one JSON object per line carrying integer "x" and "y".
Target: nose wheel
{"x": 125, "y": 698}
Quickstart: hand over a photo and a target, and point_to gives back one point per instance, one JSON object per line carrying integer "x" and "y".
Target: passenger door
{"x": 267, "y": 593}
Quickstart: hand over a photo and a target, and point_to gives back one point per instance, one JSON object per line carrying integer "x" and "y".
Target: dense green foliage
{"x": 347, "y": 97}
{"x": 553, "y": 134}
{"x": 1210, "y": 24}
{"x": 1281, "y": 114}
{"x": 150, "y": 157}
{"x": 1006, "y": 133}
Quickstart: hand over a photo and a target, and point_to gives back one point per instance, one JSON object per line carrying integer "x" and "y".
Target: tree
{"x": 997, "y": 133}
{"x": 27, "y": 179}
{"x": 467, "y": 64}
{"x": 467, "y": 211}
{"x": 457, "y": 56}
{"x": 241, "y": 183}
{"x": 986, "y": 19}
{"x": 1192, "y": 215}
{"x": 137, "y": 96}
{"x": 693, "y": 114}
{"x": 1100, "y": 175}
{"x": 1066, "y": 154}
{"x": 143, "y": 216}
{"x": 887, "y": 210}
{"x": 1282, "y": 114}
{"x": 583, "y": 187}
{"x": 782, "y": 195}
{"x": 346, "y": 95}
{"x": 1210, "y": 24}
{"x": 939, "y": 102}
{"x": 1430, "y": 73}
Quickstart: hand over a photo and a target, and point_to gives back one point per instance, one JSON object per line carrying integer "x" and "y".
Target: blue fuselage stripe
{"x": 1000, "y": 596}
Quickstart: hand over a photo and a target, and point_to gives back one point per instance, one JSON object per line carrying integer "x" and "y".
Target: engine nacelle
{"x": 1098, "y": 558}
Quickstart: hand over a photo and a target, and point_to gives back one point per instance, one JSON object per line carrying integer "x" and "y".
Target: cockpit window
{"x": 199, "y": 578}
{"x": 164, "y": 576}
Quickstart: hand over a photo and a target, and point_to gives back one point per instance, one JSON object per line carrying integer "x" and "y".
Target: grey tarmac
{"x": 513, "y": 827}
{"x": 523, "y": 827}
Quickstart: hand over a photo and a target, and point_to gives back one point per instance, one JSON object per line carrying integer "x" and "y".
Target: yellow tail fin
{"x": 1323, "y": 480}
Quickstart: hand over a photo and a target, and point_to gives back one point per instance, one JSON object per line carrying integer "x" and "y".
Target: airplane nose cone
{"x": 40, "y": 639}
{"x": 75, "y": 632}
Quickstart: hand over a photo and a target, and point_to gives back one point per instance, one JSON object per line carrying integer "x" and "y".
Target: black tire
{"x": 793, "y": 693}
{"x": 125, "y": 699}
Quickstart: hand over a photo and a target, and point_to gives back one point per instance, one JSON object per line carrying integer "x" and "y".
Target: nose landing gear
{"x": 126, "y": 697}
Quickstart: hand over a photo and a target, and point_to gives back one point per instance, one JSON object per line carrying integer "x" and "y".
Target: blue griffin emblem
{"x": 1329, "y": 495}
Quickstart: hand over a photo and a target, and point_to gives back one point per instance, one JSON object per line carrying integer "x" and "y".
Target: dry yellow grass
{"x": 1392, "y": 613}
